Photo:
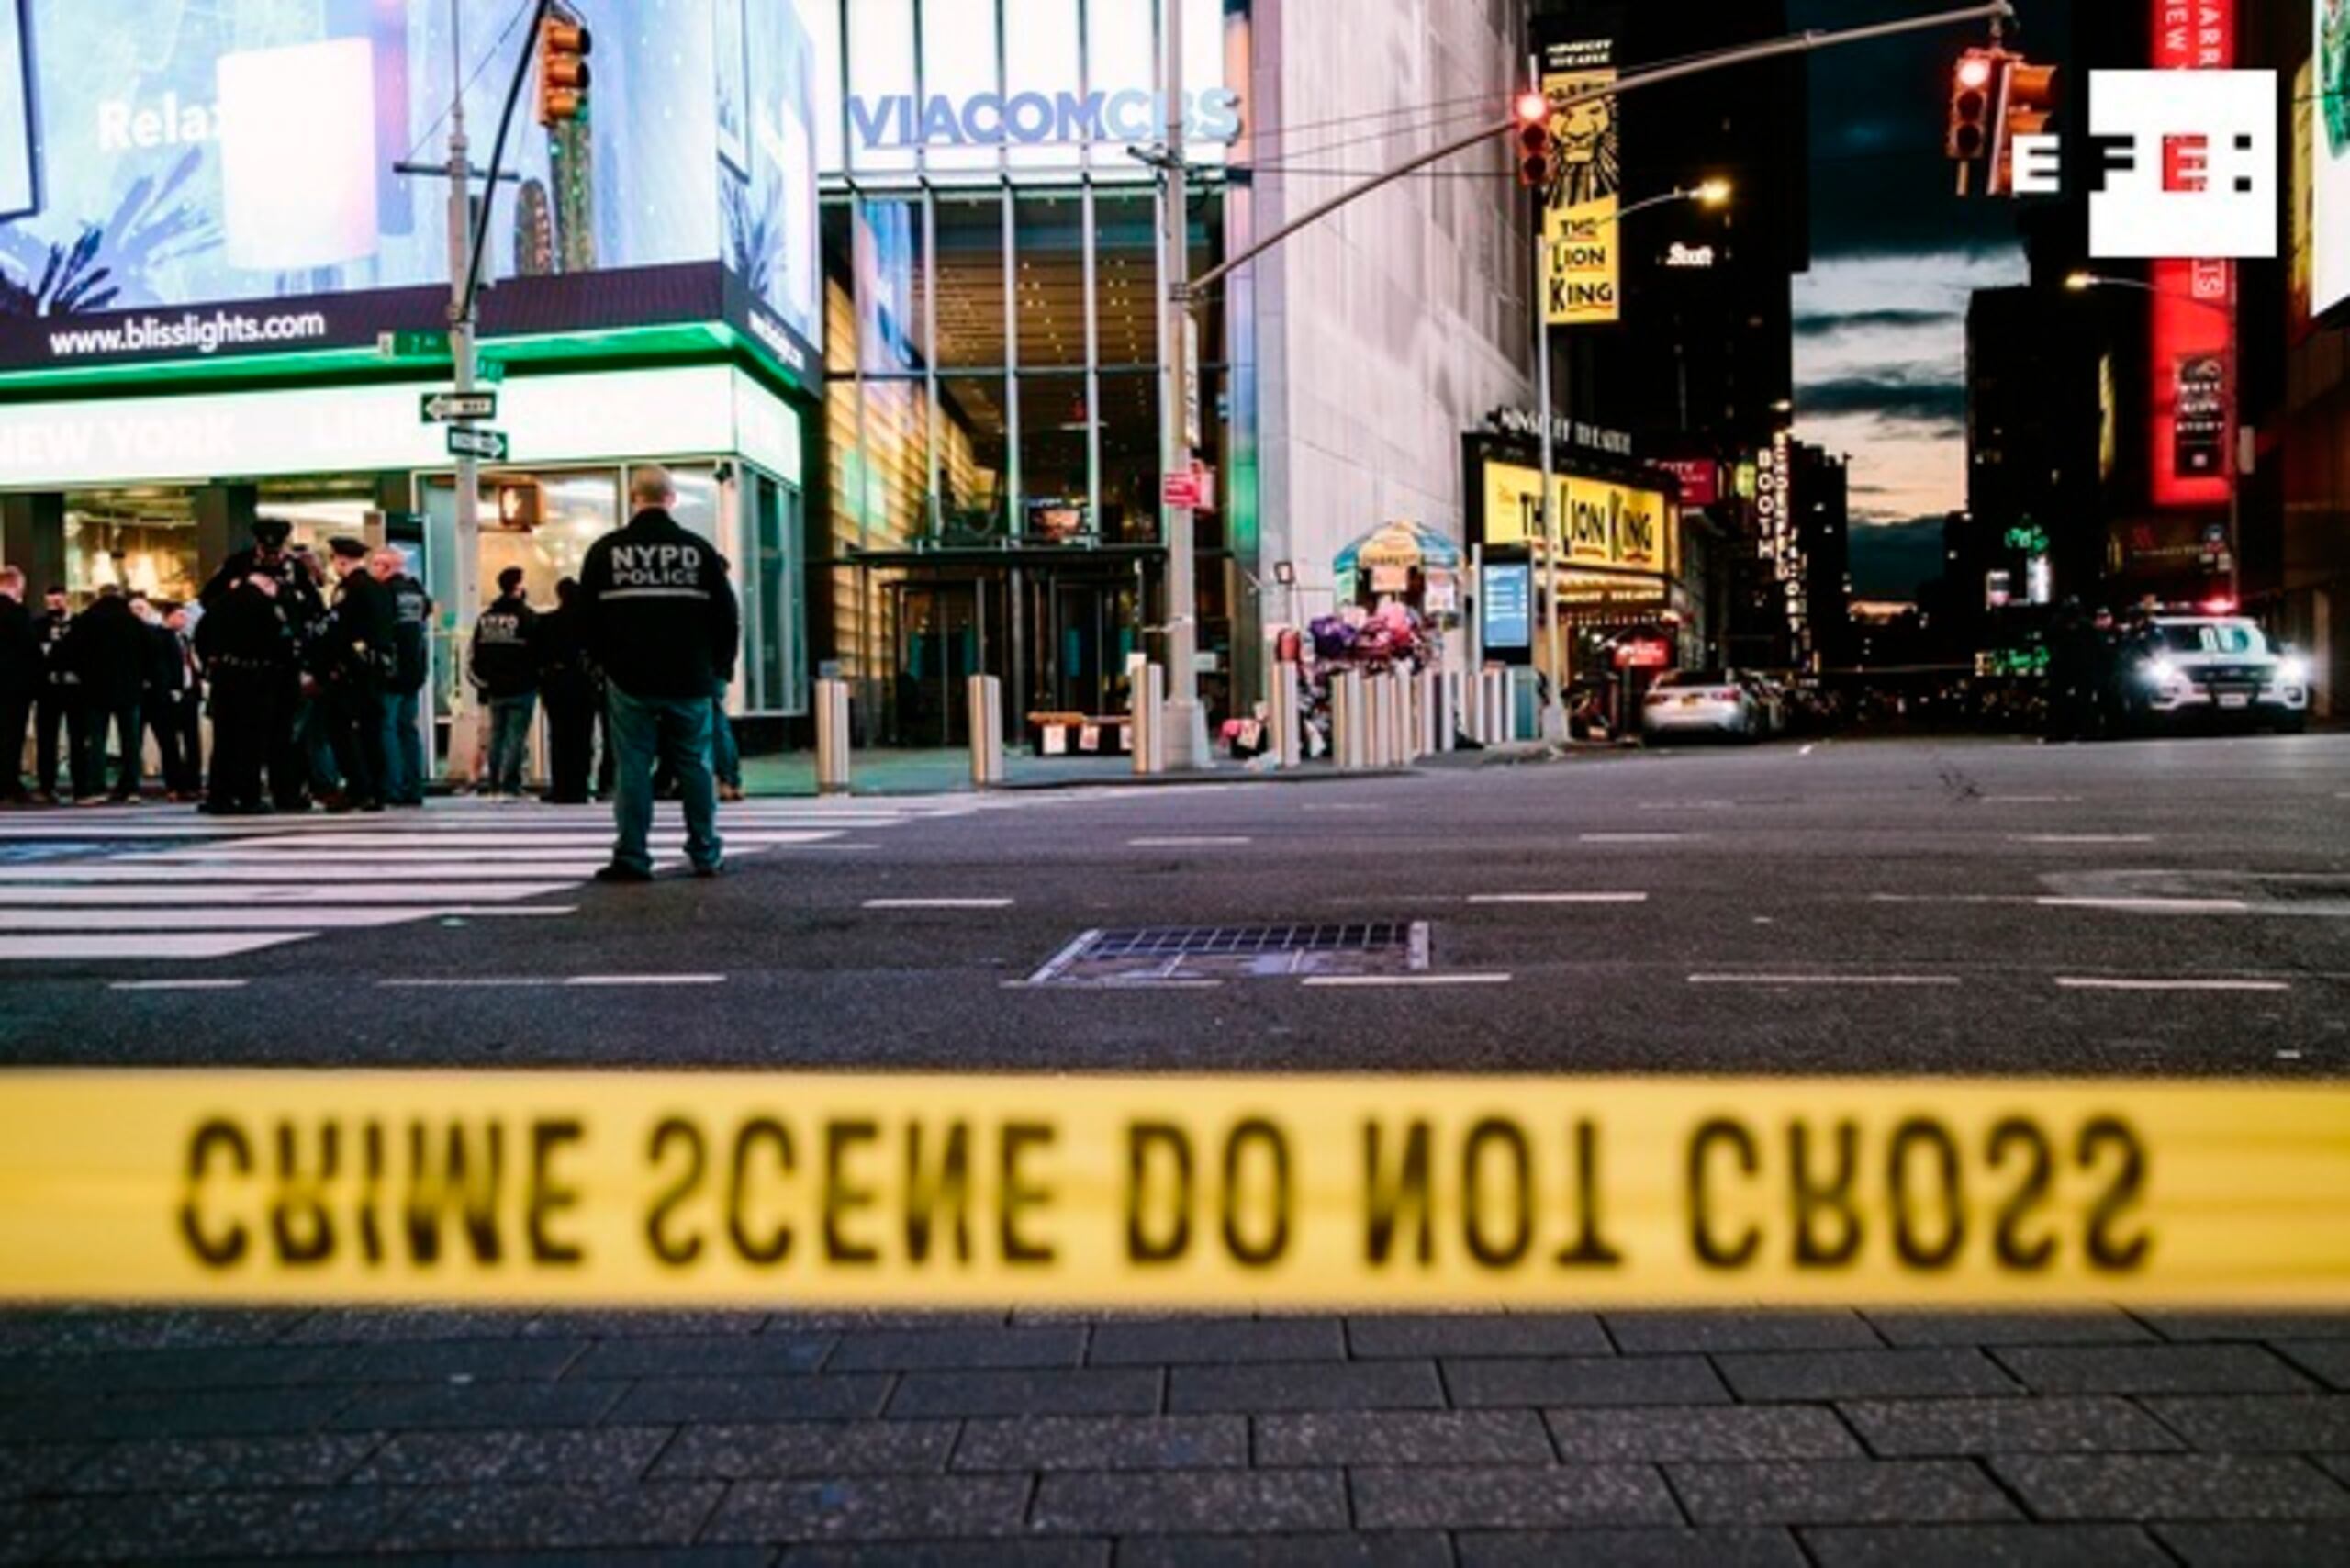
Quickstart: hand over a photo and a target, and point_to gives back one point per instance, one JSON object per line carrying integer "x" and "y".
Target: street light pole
{"x": 465, "y": 588}
{"x": 1186, "y": 725}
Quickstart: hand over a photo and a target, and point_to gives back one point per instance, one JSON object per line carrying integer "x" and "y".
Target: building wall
{"x": 1388, "y": 330}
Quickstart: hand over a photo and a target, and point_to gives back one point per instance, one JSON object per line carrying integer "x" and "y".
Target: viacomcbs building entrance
{"x": 991, "y": 272}
{"x": 224, "y": 280}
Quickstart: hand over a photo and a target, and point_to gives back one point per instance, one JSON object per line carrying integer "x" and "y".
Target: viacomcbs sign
{"x": 996, "y": 119}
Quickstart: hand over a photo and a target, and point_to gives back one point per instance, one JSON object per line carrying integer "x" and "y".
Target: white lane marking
{"x": 647, "y": 980}
{"x": 1557, "y": 898}
{"x": 1634, "y": 837}
{"x": 1804, "y": 750}
{"x": 1113, "y": 985}
{"x": 462, "y": 982}
{"x": 1376, "y": 981}
{"x": 178, "y": 917}
{"x": 1686, "y": 805}
{"x": 2288, "y": 1056}
{"x": 1184, "y": 841}
{"x": 176, "y": 891}
{"x": 2150, "y": 904}
{"x": 2109, "y": 982}
{"x": 85, "y": 944}
{"x": 2030, "y": 799}
{"x": 177, "y": 985}
{"x": 369, "y": 846}
{"x": 304, "y": 871}
{"x": 1822, "y": 979}
{"x": 936, "y": 903}
{"x": 1340, "y": 806}
{"x": 2080, "y": 838}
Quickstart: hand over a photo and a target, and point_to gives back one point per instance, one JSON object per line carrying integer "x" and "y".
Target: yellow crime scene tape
{"x": 667, "y": 1188}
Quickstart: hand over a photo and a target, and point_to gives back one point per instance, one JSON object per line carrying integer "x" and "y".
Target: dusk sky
{"x": 1880, "y": 351}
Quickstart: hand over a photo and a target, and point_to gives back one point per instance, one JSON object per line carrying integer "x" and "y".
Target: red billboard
{"x": 2192, "y": 373}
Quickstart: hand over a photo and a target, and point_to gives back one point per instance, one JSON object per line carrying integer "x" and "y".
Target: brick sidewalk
{"x": 1701, "y": 1438}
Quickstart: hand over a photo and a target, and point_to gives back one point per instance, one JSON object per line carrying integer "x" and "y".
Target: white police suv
{"x": 2218, "y": 667}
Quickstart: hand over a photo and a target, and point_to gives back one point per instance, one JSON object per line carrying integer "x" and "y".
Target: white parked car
{"x": 1702, "y": 702}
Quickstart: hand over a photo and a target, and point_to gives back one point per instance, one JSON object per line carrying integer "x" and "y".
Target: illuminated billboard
{"x": 183, "y": 181}
{"x": 2330, "y": 157}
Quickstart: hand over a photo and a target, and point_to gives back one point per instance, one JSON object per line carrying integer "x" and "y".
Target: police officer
{"x": 360, "y": 657}
{"x": 247, "y": 638}
{"x": 573, "y": 690}
{"x": 411, "y": 667}
{"x": 20, "y": 677}
{"x": 58, "y": 705}
{"x": 663, "y": 623}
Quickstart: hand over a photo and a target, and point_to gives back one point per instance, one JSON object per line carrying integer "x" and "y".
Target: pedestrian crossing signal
{"x": 1538, "y": 151}
{"x": 564, "y": 76}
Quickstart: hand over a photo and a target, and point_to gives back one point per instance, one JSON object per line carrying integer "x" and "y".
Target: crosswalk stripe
{"x": 98, "y": 945}
{"x": 119, "y": 894}
{"x": 295, "y": 871}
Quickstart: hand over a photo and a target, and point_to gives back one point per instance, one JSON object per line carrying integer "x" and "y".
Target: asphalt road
{"x": 1948, "y": 907}
{"x": 1956, "y": 907}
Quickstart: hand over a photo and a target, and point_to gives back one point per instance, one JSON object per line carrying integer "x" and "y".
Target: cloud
{"x": 1828, "y": 323}
{"x": 1895, "y": 398}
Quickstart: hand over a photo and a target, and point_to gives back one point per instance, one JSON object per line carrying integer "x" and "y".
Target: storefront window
{"x": 142, "y": 541}
{"x": 969, "y": 280}
{"x": 973, "y": 456}
{"x": 1125, "y": 274}
{"x": 887, "y": 239}
{"x": 1053, "y": 428}
{"x": 1048, "y": 245}
{"x": 1130, "y": 456}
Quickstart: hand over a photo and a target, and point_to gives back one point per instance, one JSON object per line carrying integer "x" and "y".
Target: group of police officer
{"x": 300, "y": 663}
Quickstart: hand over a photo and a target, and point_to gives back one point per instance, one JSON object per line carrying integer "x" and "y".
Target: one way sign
{"x": 470, "y": 441}
{"x": 443, "y": 407}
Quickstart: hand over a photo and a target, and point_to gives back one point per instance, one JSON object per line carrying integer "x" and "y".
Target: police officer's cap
{"x": 270, "y": 532}
{"x": 347, "y": 548}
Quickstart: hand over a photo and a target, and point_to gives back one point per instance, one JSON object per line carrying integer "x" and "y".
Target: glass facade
{"x": 993, "y": 354}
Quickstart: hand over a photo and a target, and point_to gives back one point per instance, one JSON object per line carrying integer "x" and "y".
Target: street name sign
{"x": 470, "y": 441}
{"x": 442, "y": 407}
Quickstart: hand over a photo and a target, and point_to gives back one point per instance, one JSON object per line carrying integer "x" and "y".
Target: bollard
{"x": 1386, "y": 719}
{"x": 1349, "y": 742}
{"x": 1448, "y": 714}
{"x": 1138, "y": 713}
{"x": 1283, "y": 713}
{"x": 832, "y": 738}
{"x": 1427, "y": 706}
{"x": 1158, "y": 685}
{"x": 983, "y": 695}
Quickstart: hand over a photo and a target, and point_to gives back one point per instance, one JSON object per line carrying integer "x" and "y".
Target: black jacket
{"x": 50, "y": 629}
{"x": 106, "y": 648}
{"x": 662, "y": 619}
{"x": 505, "y": 653}
{"x": 362, "y": 638}
{"x": 166, "y": 672}
{"x": 298, "y": 609}
{"x": 411, "y": 633}
{"x": 22, "y": 664}
{"x": 562, "y": 646}
{"x": 242, "y": 626}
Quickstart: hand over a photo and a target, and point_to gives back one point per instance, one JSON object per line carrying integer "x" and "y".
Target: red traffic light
{"x": 1974, "y": 71}
{"x": 1967, "y": 135}
{"x": 1533, "y": 109}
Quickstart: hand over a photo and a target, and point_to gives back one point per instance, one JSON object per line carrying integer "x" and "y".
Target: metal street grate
{"x": 1161, "y": 954}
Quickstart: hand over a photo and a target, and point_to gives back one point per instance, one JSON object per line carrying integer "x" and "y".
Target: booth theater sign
{"x": 1036, "y": 118}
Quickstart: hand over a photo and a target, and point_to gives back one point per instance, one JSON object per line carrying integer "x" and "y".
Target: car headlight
{"x": 2159, "y": 672}
{"x": 2292, "y": 672}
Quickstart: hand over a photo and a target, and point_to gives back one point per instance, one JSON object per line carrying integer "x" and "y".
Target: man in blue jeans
{"x": 663, "y": 622}
{"x": 506, "y": 671}
{"x": 403, "y": 734}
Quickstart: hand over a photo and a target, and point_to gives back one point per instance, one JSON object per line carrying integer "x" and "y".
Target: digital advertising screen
{"x": 183, "y": 181}
{"x": 2330, "y": 158}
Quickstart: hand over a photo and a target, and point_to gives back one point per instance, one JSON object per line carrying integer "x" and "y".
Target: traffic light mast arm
{"x": 465, "y": 305}
{"x": 1798, "y": 43}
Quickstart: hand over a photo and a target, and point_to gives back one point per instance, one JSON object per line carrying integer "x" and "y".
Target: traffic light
{"x": 2027, "y": 98}
{"x": 1538, "y": 153}
{"x": 1972, "y": 83}
{"x": 564, "y": 44}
